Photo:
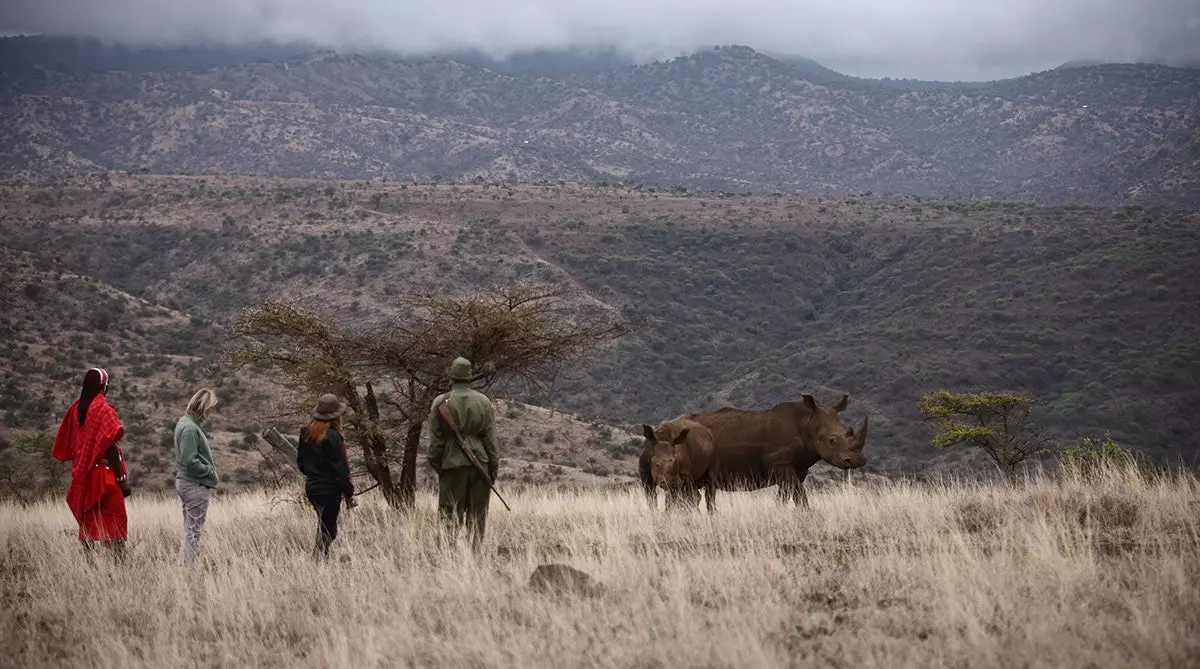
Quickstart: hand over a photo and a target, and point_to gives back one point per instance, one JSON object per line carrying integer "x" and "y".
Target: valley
{"x": 736, "y": 299}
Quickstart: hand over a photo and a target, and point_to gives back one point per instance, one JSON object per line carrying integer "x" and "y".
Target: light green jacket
{"x": 193, "y": 454}
{"x": 476, "y": 421}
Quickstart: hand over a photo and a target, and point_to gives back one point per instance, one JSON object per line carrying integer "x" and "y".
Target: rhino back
{"x": 748, "y": 444}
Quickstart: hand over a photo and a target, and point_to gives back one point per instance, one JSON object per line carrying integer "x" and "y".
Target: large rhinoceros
{"x": 756, "y": 449}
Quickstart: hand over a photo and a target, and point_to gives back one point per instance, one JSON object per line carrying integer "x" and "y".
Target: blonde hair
{"x": 202, "y": 403}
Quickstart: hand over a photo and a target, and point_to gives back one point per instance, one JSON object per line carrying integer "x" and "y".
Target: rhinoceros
{"x": 776, "y": 446}
{"x": 678, "y": 457}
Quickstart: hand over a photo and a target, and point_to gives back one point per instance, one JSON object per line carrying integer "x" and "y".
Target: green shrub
{"x": 1092, "y": 457}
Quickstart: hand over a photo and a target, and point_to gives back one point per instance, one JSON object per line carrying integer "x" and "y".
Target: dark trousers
{"x": 327, "y": 507}
{"x": 463, "y": 497}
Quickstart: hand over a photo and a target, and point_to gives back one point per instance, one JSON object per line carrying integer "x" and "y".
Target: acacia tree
{"x": 516, "y": 334}
{"x": 320, "y": 355}
{"x": 997, "y": 422}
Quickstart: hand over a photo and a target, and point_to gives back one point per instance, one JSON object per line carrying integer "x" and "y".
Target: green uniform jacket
{"x": 193, "y": 456}
{"x": 476, "y": 421}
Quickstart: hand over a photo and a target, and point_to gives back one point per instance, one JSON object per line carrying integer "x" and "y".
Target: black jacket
{"x": 324, "y": 464}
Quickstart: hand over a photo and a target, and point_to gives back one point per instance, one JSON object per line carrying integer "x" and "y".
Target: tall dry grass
{"x": 1100, "y": 574}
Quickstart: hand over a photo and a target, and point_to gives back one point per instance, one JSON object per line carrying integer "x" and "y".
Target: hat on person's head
{"x": 460, "y": 370}
{"x": 329, "y": 407}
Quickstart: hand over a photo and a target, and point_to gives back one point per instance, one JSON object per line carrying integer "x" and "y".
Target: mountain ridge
{"x": 724, "y": 119}
{"x": 71, "y": 53}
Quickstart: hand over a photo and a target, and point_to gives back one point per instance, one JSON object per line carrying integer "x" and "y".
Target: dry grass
{"x": 1047, "y": 575}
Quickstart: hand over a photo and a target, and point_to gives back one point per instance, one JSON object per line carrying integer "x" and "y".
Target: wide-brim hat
{"x": 329, "y": 407}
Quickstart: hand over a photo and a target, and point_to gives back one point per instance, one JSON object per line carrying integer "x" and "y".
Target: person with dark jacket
{"x": 322, "y": 459}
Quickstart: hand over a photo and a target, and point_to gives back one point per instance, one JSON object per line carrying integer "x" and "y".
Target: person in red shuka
{"x": 88, "y": 438}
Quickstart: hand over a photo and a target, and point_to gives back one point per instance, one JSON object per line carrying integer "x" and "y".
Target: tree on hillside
{"x": 26, "y": 467}
{"x": 997, "y": 422}
{"x": 7, "y": 287}
{"x": 522, "y": 334}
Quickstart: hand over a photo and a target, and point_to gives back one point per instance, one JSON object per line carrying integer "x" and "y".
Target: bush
{"x": 1091, "y": 457}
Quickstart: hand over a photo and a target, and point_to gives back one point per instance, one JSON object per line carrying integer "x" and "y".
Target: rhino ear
{"x": 842, "y": 403}
{"x": 810, "y": 402}
{"x": 648, "y": 432}
{"x": 681, "y": 437}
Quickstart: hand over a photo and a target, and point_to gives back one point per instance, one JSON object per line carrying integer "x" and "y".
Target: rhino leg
{"x": 689, "y": 493}
{"x": 647, "y": 481}
{"x": 710, "y": 489}
{"x": 682, "y": 497}
{"x": 785, "y": 478}
{"x": 799, "y": 497}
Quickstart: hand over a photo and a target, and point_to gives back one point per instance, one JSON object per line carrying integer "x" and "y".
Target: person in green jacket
{"x": 463, "y": 492}
{"x": 195, "y": 471}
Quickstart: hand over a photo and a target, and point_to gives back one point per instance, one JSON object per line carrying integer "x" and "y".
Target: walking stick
{"x": 448, "y": 418}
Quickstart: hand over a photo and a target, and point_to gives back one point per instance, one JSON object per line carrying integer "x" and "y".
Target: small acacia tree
{"x": 27, "y": 468}
{"x": 516, "y": 334}
{"x": 997, "y": 422}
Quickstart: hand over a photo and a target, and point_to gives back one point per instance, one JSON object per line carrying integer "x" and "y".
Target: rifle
{"x": 448, "y": 418}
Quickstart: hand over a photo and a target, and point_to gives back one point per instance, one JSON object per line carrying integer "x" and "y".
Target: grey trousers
{"x": 195, "y": 511}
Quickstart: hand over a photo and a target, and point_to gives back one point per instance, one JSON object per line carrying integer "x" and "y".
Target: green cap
{"x": 460, "y": 370}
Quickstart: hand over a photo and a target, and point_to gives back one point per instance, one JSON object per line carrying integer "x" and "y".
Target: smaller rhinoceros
{"x": 677, "y": 456}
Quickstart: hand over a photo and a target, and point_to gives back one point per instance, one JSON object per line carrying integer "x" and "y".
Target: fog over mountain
{"x": 928, "y": 39}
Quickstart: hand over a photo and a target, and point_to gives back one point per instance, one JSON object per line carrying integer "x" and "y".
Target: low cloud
{"x": 922, "y": 38}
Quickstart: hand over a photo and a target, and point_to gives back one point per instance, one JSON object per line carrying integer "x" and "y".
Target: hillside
{"x": 725, "y": 119}
{"x": 55, "y": 324}
{"x": 739, "y": 299}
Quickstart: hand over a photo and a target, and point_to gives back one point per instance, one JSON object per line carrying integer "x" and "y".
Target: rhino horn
{"x": 648, "y": 432}
{"x": 860, "y": 437}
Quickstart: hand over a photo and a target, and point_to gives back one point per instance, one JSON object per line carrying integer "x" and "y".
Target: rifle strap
{"x": 448, "y": 417}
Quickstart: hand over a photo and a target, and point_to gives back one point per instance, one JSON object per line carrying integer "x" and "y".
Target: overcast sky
{"x": 932, "y": 39}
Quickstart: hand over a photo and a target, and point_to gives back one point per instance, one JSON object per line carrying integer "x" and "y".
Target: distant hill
{"x": 725, "y": 119}
{"x": 544, "y": 62}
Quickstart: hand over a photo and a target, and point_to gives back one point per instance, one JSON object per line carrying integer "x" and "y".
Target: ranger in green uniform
{"x": 463, "y": 491}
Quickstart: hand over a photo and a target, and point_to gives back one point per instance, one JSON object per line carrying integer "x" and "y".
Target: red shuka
{"x": 94, "y": 496}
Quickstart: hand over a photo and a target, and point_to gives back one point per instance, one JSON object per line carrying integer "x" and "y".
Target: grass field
{"x": 1066, "y": 575}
